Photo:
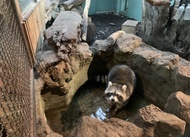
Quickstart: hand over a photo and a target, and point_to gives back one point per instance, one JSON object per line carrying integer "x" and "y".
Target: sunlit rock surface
{"x": 179, "y": 104}
{"x": 112, "y": 128}
{"x": 157, "y": 123}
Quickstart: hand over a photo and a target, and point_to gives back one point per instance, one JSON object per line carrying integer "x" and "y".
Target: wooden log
{"x": 113, "y": 37}
{"x": 158, "y": 2}
{"x": 85, "y": 19}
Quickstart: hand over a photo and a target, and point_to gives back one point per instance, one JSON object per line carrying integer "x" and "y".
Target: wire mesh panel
{"x": 16, "y": 98}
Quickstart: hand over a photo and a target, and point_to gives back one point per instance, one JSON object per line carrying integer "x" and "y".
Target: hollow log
{"x": 158, "y": 2}
{"x": 85, "y": 19}
{"x": 113, "y": 37}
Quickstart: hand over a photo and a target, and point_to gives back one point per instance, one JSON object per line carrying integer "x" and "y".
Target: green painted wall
{"x": 135, "y": 9}
{"x": 102, "y": 6}
{"x": 130, "y": 8}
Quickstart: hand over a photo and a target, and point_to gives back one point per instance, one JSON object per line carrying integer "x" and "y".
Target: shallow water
{"x": 88, "y": 101}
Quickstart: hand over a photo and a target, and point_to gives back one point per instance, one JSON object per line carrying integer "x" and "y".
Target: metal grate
{"x": 16, "y": 97}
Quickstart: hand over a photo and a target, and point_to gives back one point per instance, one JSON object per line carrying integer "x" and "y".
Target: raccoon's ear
{"x": 124, "y": 87}
{"x": 109, "y": 83}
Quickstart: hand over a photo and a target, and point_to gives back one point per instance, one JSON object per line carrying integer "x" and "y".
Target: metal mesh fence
{"x": 16, "y": 99}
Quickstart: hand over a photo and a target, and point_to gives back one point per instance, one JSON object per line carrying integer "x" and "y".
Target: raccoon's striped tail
{"x": 101, "y": 79}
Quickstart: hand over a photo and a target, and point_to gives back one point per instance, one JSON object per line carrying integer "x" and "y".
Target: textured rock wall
{"x": 161, "y": 31}
{"x": 158, "y": 123}
{"x": 179, "y": 104}
{"x": 64, "y": 67}
{"x": 43, "y": 130}
{"x": 149, "y": 121}
{"x": 161, "y": 73}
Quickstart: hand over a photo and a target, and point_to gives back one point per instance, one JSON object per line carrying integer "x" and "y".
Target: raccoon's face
{"x": 115, "y": 93}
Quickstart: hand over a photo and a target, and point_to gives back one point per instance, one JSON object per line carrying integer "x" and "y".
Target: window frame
{"x": 23, "y": 20}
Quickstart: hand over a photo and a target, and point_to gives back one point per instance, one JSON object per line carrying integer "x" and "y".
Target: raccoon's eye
{"x": 109, "y": 94}
{"x": 119, "y": 98}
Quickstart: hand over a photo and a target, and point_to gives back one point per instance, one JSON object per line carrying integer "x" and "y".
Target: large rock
{"x": 158, "y": 2}
{"x": 127, "y": 43}
{"x": 157, "y": 123}
{"x": 66, "y": 27}
{"x": 63, "y": 78}
{"x": 150, "y": 121}
{"x": 161, "y": 73}
{"x": 64, "y": 67}
{"x": 89, "y": 127}
{"x": 160, "y": 30}
{"x": 179, "y": 104}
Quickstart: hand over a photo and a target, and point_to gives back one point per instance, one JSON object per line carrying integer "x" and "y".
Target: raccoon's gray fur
{"x": 120, "y": 86}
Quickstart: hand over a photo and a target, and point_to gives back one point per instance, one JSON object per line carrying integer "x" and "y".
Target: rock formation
{"x": 65, "y": 66}
{"x": 43, "y": 130}
{"x": 156, "y": 123}
{"x": 150, "y": 121}
{"x": 179, "y": 104}
{"x": 158, "y": 2}
{"x": 114, "y": 127}
{"x": 161, "y": 73}
{"x": 64, "y": 69}
{"x": 162, "y": 31}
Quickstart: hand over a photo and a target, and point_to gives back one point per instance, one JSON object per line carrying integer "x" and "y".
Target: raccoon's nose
{"x": 113, "y": 100}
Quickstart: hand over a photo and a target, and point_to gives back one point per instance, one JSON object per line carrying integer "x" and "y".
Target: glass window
{"x": 25, "y": 4}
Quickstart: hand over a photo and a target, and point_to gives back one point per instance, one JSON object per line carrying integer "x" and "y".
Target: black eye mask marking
{"x": 109, "y": 94}
{"x": 119, "y": 97}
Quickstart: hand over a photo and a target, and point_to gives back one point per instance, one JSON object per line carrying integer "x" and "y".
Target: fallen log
{"x": 113, "y": 37}
{"x": 158, "y": 2}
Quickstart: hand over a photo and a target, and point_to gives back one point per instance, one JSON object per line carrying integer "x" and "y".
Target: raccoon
{"x": 120, "y": 86}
